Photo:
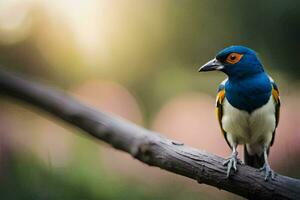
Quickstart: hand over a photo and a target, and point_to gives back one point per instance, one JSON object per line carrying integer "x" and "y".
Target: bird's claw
{"x": 231, "y": 163}
{"x": 269, "y": 173}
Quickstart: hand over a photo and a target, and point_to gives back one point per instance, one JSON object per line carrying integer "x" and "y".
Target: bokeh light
{"x": 15, "y": 22}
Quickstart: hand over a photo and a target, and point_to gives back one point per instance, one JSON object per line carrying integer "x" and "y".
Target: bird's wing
{"x": 219, "y": 107}
{"x": 275, "y": 94}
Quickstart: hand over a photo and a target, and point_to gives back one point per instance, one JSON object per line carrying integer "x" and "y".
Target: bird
{"x": 247, "y": 107}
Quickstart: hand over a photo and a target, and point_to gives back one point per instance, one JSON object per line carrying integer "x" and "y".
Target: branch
{"x": 147, "y": 146}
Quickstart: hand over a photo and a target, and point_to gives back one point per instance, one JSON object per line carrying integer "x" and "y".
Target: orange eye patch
{"x": 234, "y": 58}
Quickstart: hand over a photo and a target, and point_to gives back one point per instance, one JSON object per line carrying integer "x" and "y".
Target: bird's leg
{"x": 266, "y": 168}
{"x": 231, "y": 161}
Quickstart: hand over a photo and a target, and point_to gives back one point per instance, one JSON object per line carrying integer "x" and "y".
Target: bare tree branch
{"x": 147, "y": 146}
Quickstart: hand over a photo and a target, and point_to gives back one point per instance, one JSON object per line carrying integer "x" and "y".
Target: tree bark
{"x": 148, "y": 146}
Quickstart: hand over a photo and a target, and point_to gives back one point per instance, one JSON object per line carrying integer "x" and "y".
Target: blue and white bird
{"x": 247, "y": 106}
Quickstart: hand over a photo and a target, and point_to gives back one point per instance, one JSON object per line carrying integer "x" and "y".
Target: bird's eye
{"x": 234, "y": 58}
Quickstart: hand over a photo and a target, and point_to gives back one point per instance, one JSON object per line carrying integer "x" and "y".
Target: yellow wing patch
{"x": 219, "y": 107}
{"x": 220, "y": 96}
{"x": 275, "y": 94}
{"x": 219, "y": 111}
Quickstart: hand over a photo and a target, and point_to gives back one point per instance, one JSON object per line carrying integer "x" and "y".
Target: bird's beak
{"x": 211, "y": 65}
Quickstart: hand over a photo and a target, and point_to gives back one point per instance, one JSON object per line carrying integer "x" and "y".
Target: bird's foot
{"x": 231, "y": 163}
{"x": 269, "y": 173}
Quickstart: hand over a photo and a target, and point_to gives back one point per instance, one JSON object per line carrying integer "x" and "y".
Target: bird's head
{"x": 235, "y": 61}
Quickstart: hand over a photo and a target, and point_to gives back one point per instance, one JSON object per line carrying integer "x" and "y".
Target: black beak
{"x": 211, "y": 65}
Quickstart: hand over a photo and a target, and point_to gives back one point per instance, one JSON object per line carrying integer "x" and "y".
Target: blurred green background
{"x": 137, "y": 59}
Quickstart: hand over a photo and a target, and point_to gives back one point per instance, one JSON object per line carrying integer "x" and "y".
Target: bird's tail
{"x": 253, "y": 160}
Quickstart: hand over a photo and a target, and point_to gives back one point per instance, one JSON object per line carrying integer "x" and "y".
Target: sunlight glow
{"x": 14, "y": 21}
{"x": 86, "y": 19}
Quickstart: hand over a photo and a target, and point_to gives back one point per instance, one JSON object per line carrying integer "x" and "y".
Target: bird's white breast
{"x": 244, "y": 128}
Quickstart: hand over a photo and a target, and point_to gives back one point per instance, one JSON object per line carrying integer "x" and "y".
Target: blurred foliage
{"x": 150, "y": 50}
{"x": 38, "y": 183}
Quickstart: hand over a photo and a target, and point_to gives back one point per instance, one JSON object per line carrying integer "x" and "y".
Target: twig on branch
{"x": 147, "y": 146}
